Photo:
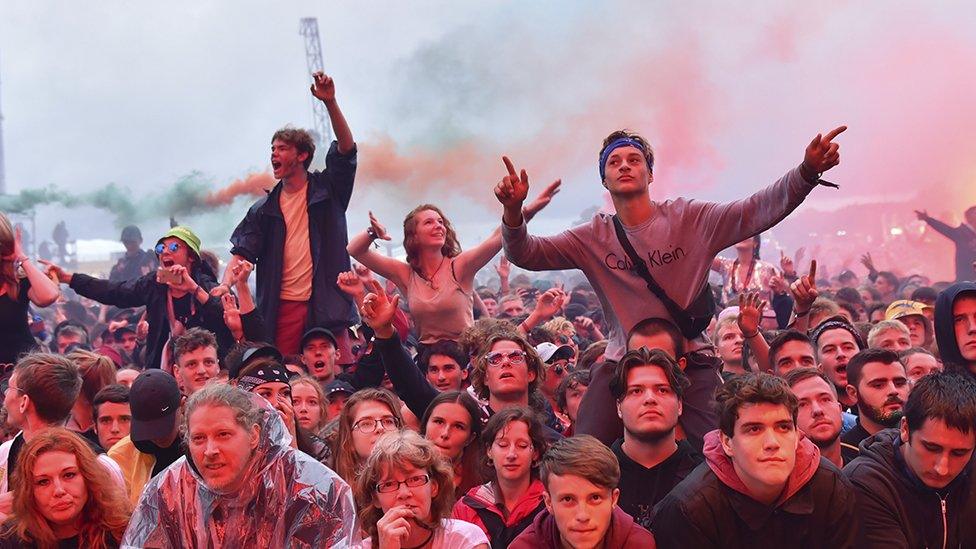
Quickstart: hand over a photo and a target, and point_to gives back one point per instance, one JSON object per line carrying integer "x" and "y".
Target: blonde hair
{"x": 395, "y": 451}
{"x": 305, "y": 379}
{"x": 106, "y": 513}
{"x": 560, "y": 326}
{"x": 8, "y": 274}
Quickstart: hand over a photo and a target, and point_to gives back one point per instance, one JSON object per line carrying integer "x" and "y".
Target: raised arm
{"x": 360, "y": 249}
{"x": 945, "y": 230}
{"x": 323, "y": 88}
{"x": 750, "y": 314}
{"x": 804, "y": 292}
{"x": 43, "y": 291}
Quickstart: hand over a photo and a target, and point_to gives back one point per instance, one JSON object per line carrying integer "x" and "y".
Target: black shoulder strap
{"x": 677, "y": 313}
{"x": 502, "y": 536}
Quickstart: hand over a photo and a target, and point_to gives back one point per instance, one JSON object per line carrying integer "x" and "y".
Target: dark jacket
{"x": 260, "y": 238}
{"x": 146, "y": 292}
{"x": 641, "y": 488}
{"x": 945, "y": 334}
{"x": 895, "y": 509}
{"x": 623, "y": 533}
{"x": 964, "y": 237}
{"x": 713, "y": 508}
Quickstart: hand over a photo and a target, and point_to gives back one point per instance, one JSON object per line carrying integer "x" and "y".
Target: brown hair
{"x": 305, "y": 379}
{"x": 643, "y": 357}
{"x": 106, "y": 513}
{"x": 751, "y": 389}
{"x": 298, "y": 138}
{"x": 346, "y": 460}
{"x": 52, "y": 383}
{"x": 583, "y": 456}
{"x": 393, "y": 451}
{"x": 797, "y": 375}
{"x": 190, "y": 341}
{"x": 499, "y": 422}
{"x": 648, "y": 151}
{"x": 451, "y": 247}
{"x": 8, "y": 275}
{"x": 96, "y": 371}
{"x": 480, "y": 363}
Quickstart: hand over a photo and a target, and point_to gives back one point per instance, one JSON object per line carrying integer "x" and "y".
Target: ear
{"x": 726, "y": 444}
{"x": 851, "y": 392}
{"x": 682, "y": 363}
{"x": 903, "y": 428}
{"x": 302, "y": 157}
{"x": 434, "y": 490}
{"x": 615, "y": 496}
{"x": 547, "y": 499}
{"x": 465, "y": 373}
{"x": 619, "y": 413}
{"x": 532, "y": 374}
{"x": 254, "y": 436}
{"x": 680, "y": 408}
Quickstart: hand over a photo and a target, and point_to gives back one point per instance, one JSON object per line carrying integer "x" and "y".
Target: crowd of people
{"x": 410, "y": 405}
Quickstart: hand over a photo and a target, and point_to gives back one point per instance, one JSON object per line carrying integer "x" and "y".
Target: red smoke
{"x": 255, "y": 184}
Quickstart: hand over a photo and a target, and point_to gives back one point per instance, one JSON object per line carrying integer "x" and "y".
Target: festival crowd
{"x": 397, "y": 404}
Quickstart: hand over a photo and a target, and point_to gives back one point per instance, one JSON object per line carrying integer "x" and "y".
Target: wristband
{"x": 752, "y": 335}
{"x": 371, "y": 233}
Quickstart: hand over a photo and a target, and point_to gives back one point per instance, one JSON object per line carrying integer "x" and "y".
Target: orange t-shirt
{"x": 296, "y": 274}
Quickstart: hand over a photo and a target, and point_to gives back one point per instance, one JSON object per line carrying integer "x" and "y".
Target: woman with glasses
{"x": 21, "y": 283}
{"x": 404, "y": 497}
{"x": 367, "y": 415}
{"x": 453, "y": 423}
{"x": 513, "y": 444}
{"x": 176, "y": 296}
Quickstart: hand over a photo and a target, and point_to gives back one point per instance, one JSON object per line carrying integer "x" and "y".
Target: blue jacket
{"x": 260, "y": 238}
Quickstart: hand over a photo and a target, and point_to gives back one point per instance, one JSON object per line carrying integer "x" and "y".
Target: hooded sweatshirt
{"x": 288, "y": 500}
{"x": 712, "y": 507}
{"x": 623, "y": 532}
{"x": 945, "y": 332}
{"x": 896, "y": 509}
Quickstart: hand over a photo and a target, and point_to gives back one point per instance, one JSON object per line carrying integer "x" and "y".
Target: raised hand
{"x": 550, "y": 302}
{"x": 542, "y": 200}
{"x": 394, "y": 527}
{"x": 822, "y": 154}
{"x": 56, "y": 273}
{"x": 378, "y": 229}
{"x": 504, "y": 268}
{"x": 868, "y": 262}
{"x": 778, "y": 285}
{"x": 350, "y": 283}
{"x": 323, "y": 87}
{"x": 378, "y": 310}
{"x": 242, "y": 271}
{"x": 750, "y": 313}
{"x": 804, "y": 290}
{"x": 512, "y": 190}
{"x": 786, "y": 264}
{"x": 922, "y": 215}
{"x": 186, "y": 283}
{"x": 232, "y": 315}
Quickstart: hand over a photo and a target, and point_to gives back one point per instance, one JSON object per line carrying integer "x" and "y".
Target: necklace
{"x": 426, "y": 540}
{"x": 429, "y": 281}
{"x": 735, "y": 271}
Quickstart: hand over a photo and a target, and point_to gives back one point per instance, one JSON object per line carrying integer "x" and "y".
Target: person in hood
{"x": 580, "y": 476}
{"x": 915, "y": 485}
{"x": 763, "y": 484}
{"x": 241, "y": 484}
{"x": 175, "y": 296}
{"x": 955, "y": 326}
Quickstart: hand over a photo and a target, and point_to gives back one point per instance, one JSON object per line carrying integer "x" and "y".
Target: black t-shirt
{"x": 855, "y": 435}
{"x": 642, "y": 488}
{"x": 15, "y": 336}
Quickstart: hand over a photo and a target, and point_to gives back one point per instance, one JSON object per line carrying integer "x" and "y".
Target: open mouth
{"x": 276, "y": 165}
{"x": 167, "y": 262}
{"x": 506, "y": 376}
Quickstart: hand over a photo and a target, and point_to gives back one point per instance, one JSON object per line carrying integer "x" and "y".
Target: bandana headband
{"x": 262, "y": 375}
{"x": 616, "y": 144}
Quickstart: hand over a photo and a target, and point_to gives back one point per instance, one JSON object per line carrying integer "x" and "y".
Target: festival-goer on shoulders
{"x": 513, "y": 445}
{"x": 745, "y": 273}
{"x": 136, "y": 262}
{"x": 64, "y": 496}
{"x": 365, "y": 417}
{"x": 648, "y": 387}
{"x": 877, "y": 380}
{"x": 404, "y": 496}
{"x": 154, "y": 440}
{"x": 437, "y": 278}
{"x": 580, "y": 478}
{"x": 305, "y": 211}
{"x": 915, "y": 485}
{"x": 241, "y": 484}
{"x": 963, "y": 237}
{"x": 955, "y": 327}
{"x": 175, "y": 296}
{"x": 112, "y": 414}
{"x": 761, "y": 480}
{"x": 453, "y": 423}
{"x": 818, "y": 414}
{"x": 17, "y": 293}
{"x": 919, "y": 362}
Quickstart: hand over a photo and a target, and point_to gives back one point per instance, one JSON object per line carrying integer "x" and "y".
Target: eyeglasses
{"x": 173, "y": 247}
{"x": 497, "y": 358}
{"x": 391, "y": 486}
{"x": 368, "y": 425}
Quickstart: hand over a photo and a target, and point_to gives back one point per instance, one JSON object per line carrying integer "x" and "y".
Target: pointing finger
{"x": 510, "y": 167}
{"x": 813, "y": 271}
{"x": 835, "y": 133}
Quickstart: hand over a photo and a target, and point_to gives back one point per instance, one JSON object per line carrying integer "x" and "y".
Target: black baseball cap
{"x": 154, "y": 399}
{"x": 339, "y": 386}
{"x": 254, "y": 353}
{"x": 318, "y": 332}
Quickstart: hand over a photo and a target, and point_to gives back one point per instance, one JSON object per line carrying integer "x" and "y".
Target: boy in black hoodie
{"x": 915, "y": 485}
{"x": 955, "y": 326}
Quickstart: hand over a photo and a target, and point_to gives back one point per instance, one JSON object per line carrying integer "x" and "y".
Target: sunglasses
{"x": 498, "y": 358}
{"x": 173, "y": 247}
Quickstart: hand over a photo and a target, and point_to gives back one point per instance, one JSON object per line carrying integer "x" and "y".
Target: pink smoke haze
{"x": 255, "y": 184}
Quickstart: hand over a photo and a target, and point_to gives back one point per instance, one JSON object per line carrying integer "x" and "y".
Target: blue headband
{"x": 616, "y": 144}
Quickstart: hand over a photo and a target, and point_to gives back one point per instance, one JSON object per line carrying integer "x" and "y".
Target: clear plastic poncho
{"x": 289, "y": 500}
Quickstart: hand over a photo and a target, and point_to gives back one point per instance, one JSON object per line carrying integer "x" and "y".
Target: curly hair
{"x": 451, "y": 247}
{"x": 105, "y": 514}
{"x": 480, "y": 363}
{"x": 346, "y": 461}
{"x": 394, "y": 451}
{"x": 751, "y": 389}
{"x": 298, "y": 138}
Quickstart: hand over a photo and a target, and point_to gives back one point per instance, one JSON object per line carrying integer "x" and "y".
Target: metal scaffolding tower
{"x": 308, "y": 27}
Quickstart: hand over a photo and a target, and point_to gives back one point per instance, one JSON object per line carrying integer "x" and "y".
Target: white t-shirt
{"x": 451, "y": 535}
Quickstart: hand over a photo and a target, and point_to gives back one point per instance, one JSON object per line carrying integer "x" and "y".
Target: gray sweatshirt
{"x": 678, "y": 244}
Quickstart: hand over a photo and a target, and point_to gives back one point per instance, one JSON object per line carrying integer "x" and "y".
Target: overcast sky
{"x": 144, "y": 93}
